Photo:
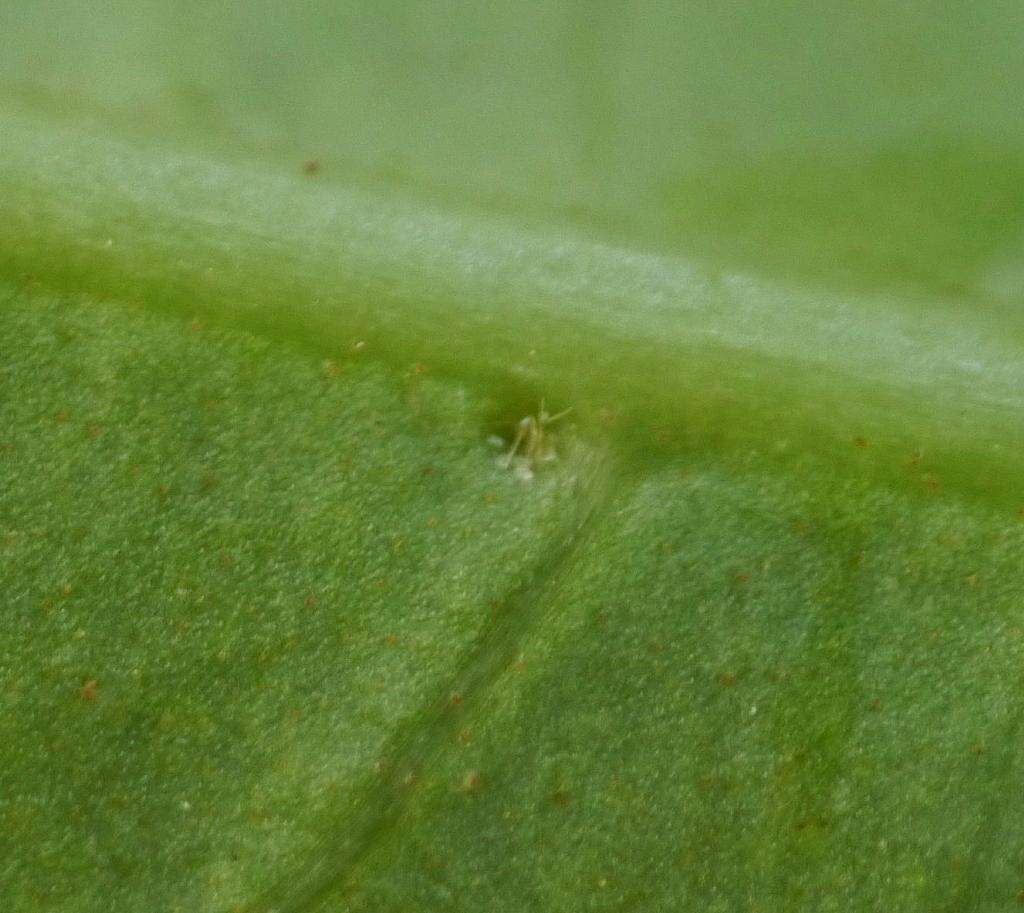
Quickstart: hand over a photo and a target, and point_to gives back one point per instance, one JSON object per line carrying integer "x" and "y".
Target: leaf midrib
{"x": 652, "y": 354}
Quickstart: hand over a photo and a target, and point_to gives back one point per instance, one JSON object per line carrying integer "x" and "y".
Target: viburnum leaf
{"x": 538, "y": 457}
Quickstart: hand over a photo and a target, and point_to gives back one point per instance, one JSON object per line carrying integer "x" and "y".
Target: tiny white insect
{"x": 532, "y": 444}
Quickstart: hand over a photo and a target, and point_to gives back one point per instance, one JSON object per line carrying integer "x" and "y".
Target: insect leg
{"x": 521, "y": 432}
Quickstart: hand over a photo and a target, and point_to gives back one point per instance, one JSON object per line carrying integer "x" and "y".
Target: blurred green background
{"x": 855, "y": 143}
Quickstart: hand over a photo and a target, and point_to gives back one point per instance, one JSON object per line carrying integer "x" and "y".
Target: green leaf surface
{"x": 286, "y": 630}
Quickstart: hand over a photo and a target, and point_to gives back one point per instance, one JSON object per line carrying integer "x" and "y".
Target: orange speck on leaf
{"x": 391, "y": 640}
{"x": 89, "y": 690}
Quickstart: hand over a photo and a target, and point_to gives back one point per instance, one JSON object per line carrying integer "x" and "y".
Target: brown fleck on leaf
{"x": 311, "y": 167}
{"x": 89, "y": 691}
{"x": 814, "y": 821}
